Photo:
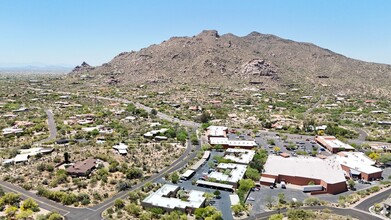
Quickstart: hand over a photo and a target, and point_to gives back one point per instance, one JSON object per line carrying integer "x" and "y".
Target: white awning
{"x": 267, "y": 180}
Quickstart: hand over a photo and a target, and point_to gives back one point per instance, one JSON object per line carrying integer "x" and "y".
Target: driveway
{"x": 52, "y": 129}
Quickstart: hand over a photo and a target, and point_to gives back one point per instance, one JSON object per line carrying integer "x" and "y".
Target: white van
{"x": 283, "y": 185}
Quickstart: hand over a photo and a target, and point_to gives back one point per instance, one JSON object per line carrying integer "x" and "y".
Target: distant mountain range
{"x": 37, "y": 68}
{"x": 209, "y": 58}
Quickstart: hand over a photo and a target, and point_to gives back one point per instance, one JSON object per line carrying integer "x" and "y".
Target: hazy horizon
{"x": 70, "y": 32}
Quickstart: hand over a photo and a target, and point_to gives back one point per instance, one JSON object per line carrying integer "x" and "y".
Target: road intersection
{"x": 95, "y": 212}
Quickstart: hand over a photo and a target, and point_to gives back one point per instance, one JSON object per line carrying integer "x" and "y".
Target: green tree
{"x": 208, "y": 212}
{"x": 217, "y": 193}
{"x": 181, "y": 136}
{"x": 54, "y": 216}
{"x": 351, "y": 184}
{"x": 133, "y": 209}
{"x": 204, "y": 117}
{"x": 119, "y": 204}
{"x": 174, "y": 177}
{"x": 300, "y": 214}
{"x": 311, "y": 201}
{"x": 244, "y": 186}
{"x": 209, "y": 196}
{"x": 26, "y": 214}
{"x": 134, "y": 173}
{"x": 10, "y": 198}
{"x": 153, "y": 112}
{"x": 384, "y": 158}
{"x": 276, "y": 217}
{"x": 194, "y": 139}
{"x": 11, "y": 211}
{"x": 29, "y": 204}
{"x": 237, "y": 209}
{"x": 156, "y": 212}
{"x": 281, "y": 198}
{"x": 146, "y": 216}
{"x": 252, "y": 174}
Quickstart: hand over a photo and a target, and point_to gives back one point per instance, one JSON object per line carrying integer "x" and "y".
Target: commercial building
{"x": 240, "y": 156}
{"x": 358, "y": 165}
{"x": 229, "y": 173}
{"x": 170, "y": 197}
{"x": 187, "y": 175}
{"x": 216, "y": 131}
{"x": 332, "y": 144}
{"x": 215, "y": 185}
{"x": 304, "y": 171}
{"x": 226, "y": 143}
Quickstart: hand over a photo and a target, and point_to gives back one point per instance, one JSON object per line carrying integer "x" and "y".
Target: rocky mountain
{"x": 229, "y": 59}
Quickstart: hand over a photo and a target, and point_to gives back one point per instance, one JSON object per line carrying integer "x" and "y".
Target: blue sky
{"x": 72, "y": 31}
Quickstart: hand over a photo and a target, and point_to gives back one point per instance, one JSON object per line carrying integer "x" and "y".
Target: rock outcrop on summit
{"x": 229, "y": 59}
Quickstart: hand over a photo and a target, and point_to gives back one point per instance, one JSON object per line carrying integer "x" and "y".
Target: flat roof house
{"x": 121, "y": 148}
{"x": 333, "y": 144}
{"x": 358, "y": 165}
{"x": 170, "y": 197}
{"x": 82, "y": 168}
{"x": 303, "y": 170}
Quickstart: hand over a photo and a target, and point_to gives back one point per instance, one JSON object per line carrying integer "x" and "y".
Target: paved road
{"x": 344, "y": 212}
{"x": 96, "y": 211}
{"x": 159, "y": 114}
{"x": 52, "y": 129}
{"x": 367, "y": 203}
{"x": 314, "y": 106}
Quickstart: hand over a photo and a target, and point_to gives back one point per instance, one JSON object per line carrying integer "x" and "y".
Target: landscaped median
{"x": 352, "y": 199}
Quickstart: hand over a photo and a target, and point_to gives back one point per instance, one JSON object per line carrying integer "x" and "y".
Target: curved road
{"x": 367, "y": 203}
{"x": 95, "y": 212}
{"x": 52, "y": 129}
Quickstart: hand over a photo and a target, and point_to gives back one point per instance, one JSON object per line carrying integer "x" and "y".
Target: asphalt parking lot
{"x": 223, "y": 203}
{"x": 260, "y": 197}
{"x": 303, "y": 143}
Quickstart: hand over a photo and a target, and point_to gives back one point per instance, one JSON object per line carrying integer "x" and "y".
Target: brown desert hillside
{"x": 261, "y": 59}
